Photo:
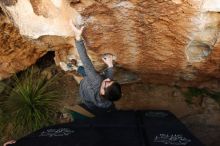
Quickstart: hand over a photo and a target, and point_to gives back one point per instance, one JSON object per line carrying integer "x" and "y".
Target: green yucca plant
{"x": 32, "y": 103}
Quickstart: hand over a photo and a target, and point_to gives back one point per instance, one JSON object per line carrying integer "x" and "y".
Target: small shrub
{"x": 196, "y": 92}
{"x": 215, "y": 96}
{"x": 31, "y": 104}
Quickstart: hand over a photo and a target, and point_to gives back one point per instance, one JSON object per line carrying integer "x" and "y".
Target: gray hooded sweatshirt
{"x": 91, "y": 83}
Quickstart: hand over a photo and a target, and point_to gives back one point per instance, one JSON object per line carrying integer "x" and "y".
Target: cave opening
{"x": 47, "y": 60}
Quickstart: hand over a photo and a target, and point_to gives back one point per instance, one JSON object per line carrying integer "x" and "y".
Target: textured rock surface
{"x": 172, "y": 42}
{"x": 17, "y": 52}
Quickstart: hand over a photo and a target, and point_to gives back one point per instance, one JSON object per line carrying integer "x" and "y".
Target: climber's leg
{"x": 81, "y": 71}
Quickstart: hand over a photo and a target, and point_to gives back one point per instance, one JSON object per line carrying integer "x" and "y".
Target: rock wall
{"x": 173, "y": 42}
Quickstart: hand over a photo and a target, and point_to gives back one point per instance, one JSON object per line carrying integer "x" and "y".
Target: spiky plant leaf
{"x": 32, "y": 103}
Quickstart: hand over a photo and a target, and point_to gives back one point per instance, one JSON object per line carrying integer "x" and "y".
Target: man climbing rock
{"x": 98, "y": 91}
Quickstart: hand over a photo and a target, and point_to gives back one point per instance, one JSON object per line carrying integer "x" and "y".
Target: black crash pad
{"x": 118, "y": 128}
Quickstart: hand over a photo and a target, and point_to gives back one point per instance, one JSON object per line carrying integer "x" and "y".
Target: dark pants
{"x": 81, "y": 71}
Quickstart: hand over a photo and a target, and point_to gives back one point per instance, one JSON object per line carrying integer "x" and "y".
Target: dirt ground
{"x": 202, "y": 117}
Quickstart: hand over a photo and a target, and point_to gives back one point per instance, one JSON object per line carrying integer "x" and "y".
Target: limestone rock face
{"x": 172, "y": 42}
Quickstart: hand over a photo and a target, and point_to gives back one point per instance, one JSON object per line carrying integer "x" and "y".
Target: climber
{"x": 98, "y": 91}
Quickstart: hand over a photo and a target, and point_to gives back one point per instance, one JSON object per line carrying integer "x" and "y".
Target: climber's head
{"x": 110, "y": 90}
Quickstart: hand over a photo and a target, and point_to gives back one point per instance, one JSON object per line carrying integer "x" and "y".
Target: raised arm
{"x": 88, "y": 66}
{"x": 108, "y": 73}
{"x": 108, "y": 60}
